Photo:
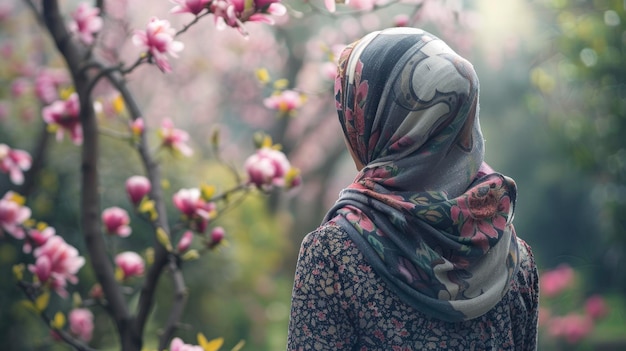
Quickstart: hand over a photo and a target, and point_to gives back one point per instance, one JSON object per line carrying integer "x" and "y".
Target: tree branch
{"x": 180, "y": 300}
{"x": 146, "y": 297}
{"x": 90, "y": 200}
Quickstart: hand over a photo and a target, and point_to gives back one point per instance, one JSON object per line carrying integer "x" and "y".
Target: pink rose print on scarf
{"x": 355, "y": 119}
{"x": 357, "y": 217}
{"x": 482, "y": 214}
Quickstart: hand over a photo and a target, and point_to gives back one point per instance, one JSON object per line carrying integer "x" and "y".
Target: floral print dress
{"x": 340, "y": 303}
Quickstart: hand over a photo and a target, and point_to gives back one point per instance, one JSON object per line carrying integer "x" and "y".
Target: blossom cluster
{"x": 197, "y": 211}
{"x": 14, "y": 162}
{"x": 86, "y": 22}
{"x": 286, "y": 102}
{"x": 56, "y": 262}
{"x": 269, "y": 167}
{"x": 158, "y": 39}
{"x": 64, "y": 116}
{"x": 572, "y": 326}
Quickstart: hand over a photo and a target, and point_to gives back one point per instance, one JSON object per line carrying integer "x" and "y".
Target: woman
{"x": 419, "y": 252}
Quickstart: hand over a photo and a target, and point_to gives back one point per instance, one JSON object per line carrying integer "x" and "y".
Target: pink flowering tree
{"x": 70, "y": 107}
{"x": 103, "y": 93}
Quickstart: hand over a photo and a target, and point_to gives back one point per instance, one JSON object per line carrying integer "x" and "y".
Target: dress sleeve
{"x": 319, "y": 320}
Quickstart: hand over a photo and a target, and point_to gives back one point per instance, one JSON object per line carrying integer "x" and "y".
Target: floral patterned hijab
{"x": 428, "y": 214}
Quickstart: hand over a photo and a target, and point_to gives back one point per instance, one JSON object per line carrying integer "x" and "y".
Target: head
{"x": 408, "y": 106}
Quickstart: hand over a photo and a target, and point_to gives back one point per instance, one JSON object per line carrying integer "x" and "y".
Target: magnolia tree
{"x": 95, "y": 83}
{"x": 73, "y": 113}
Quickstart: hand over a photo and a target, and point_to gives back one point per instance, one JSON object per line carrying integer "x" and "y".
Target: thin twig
{"x": 142, "y": 58}
{"x": 188, "y": 25}
{"x": 114, "y": 133}
{"x": 31, "y": 293}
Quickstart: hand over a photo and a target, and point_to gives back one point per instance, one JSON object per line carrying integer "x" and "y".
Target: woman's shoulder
{"x": 328, "y": 235}
{"x": 328, "y": 242}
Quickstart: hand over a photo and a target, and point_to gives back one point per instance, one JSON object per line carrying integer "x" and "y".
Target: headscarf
{"x": 431, "y": 218}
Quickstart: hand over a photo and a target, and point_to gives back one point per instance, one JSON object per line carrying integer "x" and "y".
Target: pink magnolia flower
{"x": 194, "y": 208}
{"x": 217, "y": 235}
{"x": 56, "y": 263}
{"x": 267, "y": 167}
{"x": 137, "y": 187}
{"x": 174, "y": 139}
{"x": 571, "y": 327}
{"x": 81, "y": 323}
{"x": 65, "y": 115}
{"x": 12, "y": 215}
{"x": 14, "y": 162}
{"x": 177, "y": 344}
{"x": 116, "y": 221}
{"x": 130, "y": 263}
{"x": 158, "y": 40}
{"x": 234, "y": 13}
{"x": 47, "y": 84}
{"x": 596, "y": 307}
{"x": 188, "y": 201}
{"x": 554, "y": 281}
{"x": 285, "y": 102}
{"x": 185, "y": 241}
{"x": 86, "y": 22}
{"x": 264, "y": 8}
{"x": 189, "y": 6}
{"x": 36, "y": 238}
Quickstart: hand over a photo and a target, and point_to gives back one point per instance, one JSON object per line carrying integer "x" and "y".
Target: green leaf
{"x": 213, "y": 345}
{"x": 164, "y": 239}
{"x": 239, "y": 345}
{"x": 191, "y": 255}
{"x": 42, "y": 301}
{"x": 58, "y": 322}
{"x": 18, "y": 271}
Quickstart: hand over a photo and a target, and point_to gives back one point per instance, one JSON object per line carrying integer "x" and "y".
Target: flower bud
{"x": 137, "y": 187}
{"x": 267, "y": 167}
{"x": 217, "y": 235}
{"x": 116, "y": 221}
{"x": 130, "y": 263}
{"x": 185, "y": 241}
{"x": 81, "y": 323}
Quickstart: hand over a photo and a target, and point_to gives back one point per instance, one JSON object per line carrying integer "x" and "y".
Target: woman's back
{"x": 340, "y": 303}
{"x": 419, "y": 252}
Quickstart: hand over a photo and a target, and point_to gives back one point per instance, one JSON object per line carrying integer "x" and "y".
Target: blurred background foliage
{"x": 553, "y": 111}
